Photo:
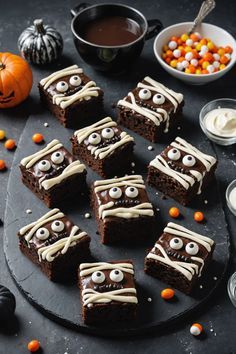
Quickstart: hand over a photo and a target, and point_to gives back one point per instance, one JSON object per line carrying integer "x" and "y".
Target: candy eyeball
{"x": 144, "y": 94}
{"x": 116, "y": 275}
{"x": 158, "y": 98}
{"x": 75, "y": 80}
{"x": 98, "y": 277}
{"x": 57, "y": 226}
{"x": 94, "y": 139}
{"x": 115, "y": 192}
{"x": 189, "y": 160}
{"x": 62, "y": 86}
{"x": 44, "y": 165}
{"x": 192, "y": 248}
{"x": 176, "y": 243}
{"x": 174, "y": 154}
{"x": 131, "y": 192}
{"x": 42, "y": 233}
{"x": 57, "y": 157}
{"x": 108, "y": 133}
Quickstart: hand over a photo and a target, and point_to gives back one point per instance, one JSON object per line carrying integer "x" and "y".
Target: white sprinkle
{"x": 157, "y": 209}
{"x": 178, "y": 128}
{"x": 200, "y": 286}
{"x": 87, "y": 215}
{"x": 149, "y": 299}
{"x": 46, "y": 124}
{"x": 133, "y": 171}
{"x": 28, "y": 211}
{"x": 150, "y": 148}
{"x": 156, "y": 193}
{"x": 30, "y": 322}
{"x": 215, "y": 334}
{"x": 205, "y": 201}
{"x": 132, "y": 164}
{"x": 215, "y": 278}
{"x": 212, "y": 330}
{"x": 90, "y": 305}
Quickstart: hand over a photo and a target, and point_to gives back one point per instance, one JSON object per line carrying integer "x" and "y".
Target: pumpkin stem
{"x": 38, "y": 24}
{"x": 2, "y": 66}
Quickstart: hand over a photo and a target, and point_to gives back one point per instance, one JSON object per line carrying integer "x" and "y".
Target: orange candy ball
{"x": 10, "y": 144}
{"x": 33, "y": 346}
{"x": 37, "y": 138}
{"x": 198, "y": 216}
{"x": 174, "y": 212}
{"x": 2, "y": 165}
{"x": 167, "y": 294}
{"x": 224, "y": 59}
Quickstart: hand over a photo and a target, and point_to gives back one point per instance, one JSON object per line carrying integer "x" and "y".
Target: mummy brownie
{"x": 53, "y": 174}
{"x": 151, "y": 109}
{"x": 104, "y": 147}
{"x": 108, "y": 292}
{"x": 54, "y": 244}
{"x": 179, "y": 257}
{"x": 71, "y": 96}
{"x": 181, "y": 171}
{"x": 122, "y": 209}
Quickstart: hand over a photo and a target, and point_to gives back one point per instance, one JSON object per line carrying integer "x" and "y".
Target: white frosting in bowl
{"x": 221, "y": 122}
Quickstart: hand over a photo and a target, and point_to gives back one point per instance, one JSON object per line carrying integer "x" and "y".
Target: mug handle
{"x": 77, "y": 9}
{"x": 154, "y": 27}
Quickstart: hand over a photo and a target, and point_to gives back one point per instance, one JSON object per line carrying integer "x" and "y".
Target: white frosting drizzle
{"x": 71, "y": 70}
{"x": 72, "y": 169}
{"x": 187, "y": 269}
{"x": 105, "y": 210}
{"x": 50, "y": 252}
{"x": 185, "y": 180}
{"x": 29, "y": 161}
{"x": 60, "y": 99}
{"x": 159, "y": 114}
{"x": 101, "y": 153}
{"x": 122, "y": 295}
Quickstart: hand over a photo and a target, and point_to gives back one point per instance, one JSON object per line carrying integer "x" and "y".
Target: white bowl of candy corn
{"x": 199, "y": 58}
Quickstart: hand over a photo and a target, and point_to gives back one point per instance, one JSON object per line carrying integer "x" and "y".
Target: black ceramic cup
{"x": 110, "y": 58}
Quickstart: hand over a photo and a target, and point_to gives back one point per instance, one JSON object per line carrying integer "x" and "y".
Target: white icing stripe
{"x": 88, "y": 90}
{"x": 104, "y": 207}
{"x": 42, "y": 221}
{"x": 134, "y": 180}
{"x": 160, "y": 163}
{"x": 91, "y": 296}
{"x": 200, "y": 260}
{"x": 29, "y": 161}
{"x": 83, "y": 133}
{"x": 89, "y": 268}
{"x": 74, "y": 168}
{"x": 71, "y": 70}
{"x": 144, "y": 209}
{"x": 50, "y": 252}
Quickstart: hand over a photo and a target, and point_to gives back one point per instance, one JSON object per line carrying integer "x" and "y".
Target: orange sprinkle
{"x": 174, "y": 212}
{"x": 33, "y": 345}
{"x": 198, "y": 216}
{"x": 2, "y": 134}
{"x": 37, "y": 138}
{"x": 167, "y": 293}
{"x": 10, "y": 144}
{"x": 2, "y": 165}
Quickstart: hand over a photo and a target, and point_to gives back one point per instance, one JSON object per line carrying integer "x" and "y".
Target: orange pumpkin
{"x": 16, "y": 80}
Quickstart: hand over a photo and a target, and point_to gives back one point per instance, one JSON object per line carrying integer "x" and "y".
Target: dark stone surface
{"x": 218, "y": 316}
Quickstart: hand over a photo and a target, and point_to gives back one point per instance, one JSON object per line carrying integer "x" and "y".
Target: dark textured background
{"x": 218, "y": 316}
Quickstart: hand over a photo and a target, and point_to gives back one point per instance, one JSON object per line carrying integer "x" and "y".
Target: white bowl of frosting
{"x": 231, "y": 196}
{"x": 218, "y": 121}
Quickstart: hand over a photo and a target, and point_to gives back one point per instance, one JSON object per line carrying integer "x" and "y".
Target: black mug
{"x": 110, "y": 58}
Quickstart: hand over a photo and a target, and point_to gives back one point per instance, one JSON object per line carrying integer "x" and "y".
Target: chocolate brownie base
{"x": 69, "y": 189}
{"x": 78, "y": 114}
{"x": 172, "y": 188}
{"x": 63, "y": 267}
{"x": 145, "y": 127}
{"x": 116, "y": 164}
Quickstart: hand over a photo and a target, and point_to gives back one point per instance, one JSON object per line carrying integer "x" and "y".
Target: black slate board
{"x": 61, "y": 302}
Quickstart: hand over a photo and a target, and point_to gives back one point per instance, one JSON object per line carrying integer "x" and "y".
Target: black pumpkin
{"x": 7, "y": 304}
{"x": 40, "y": 44}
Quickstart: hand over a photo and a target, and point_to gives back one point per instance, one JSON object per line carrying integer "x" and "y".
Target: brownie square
{"x": 71, "y": 96}
{"x": 179, "y": 257}
{"x": 104, "y": 147}
{"x": 55, "y": 244}
{"x": 122, "y": 210}
{"x": 151, "y": 109}
{"x": 181, "y": 171}
{"x": 53, "y": 174}
{"x": 107, "y": 292}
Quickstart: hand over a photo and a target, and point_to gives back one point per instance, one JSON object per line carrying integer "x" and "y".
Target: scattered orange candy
{"x": 167, "y": 294}
{"x": 2, "y": 134}
{"x": 37, "y": 138}
{"x": 33, "y": 346}
{"x": 10, "y": 144}
{"x": 198, "y": 216}
{"x": 2, "y": 165}
{"x": 174, "y": 212}
{"x": 196, "y": 329}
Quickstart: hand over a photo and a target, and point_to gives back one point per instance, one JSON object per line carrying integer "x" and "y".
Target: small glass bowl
{"x": 219, "y": 103}
{"x": 232, "y": 288}
{"x": 230, "y": 187}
